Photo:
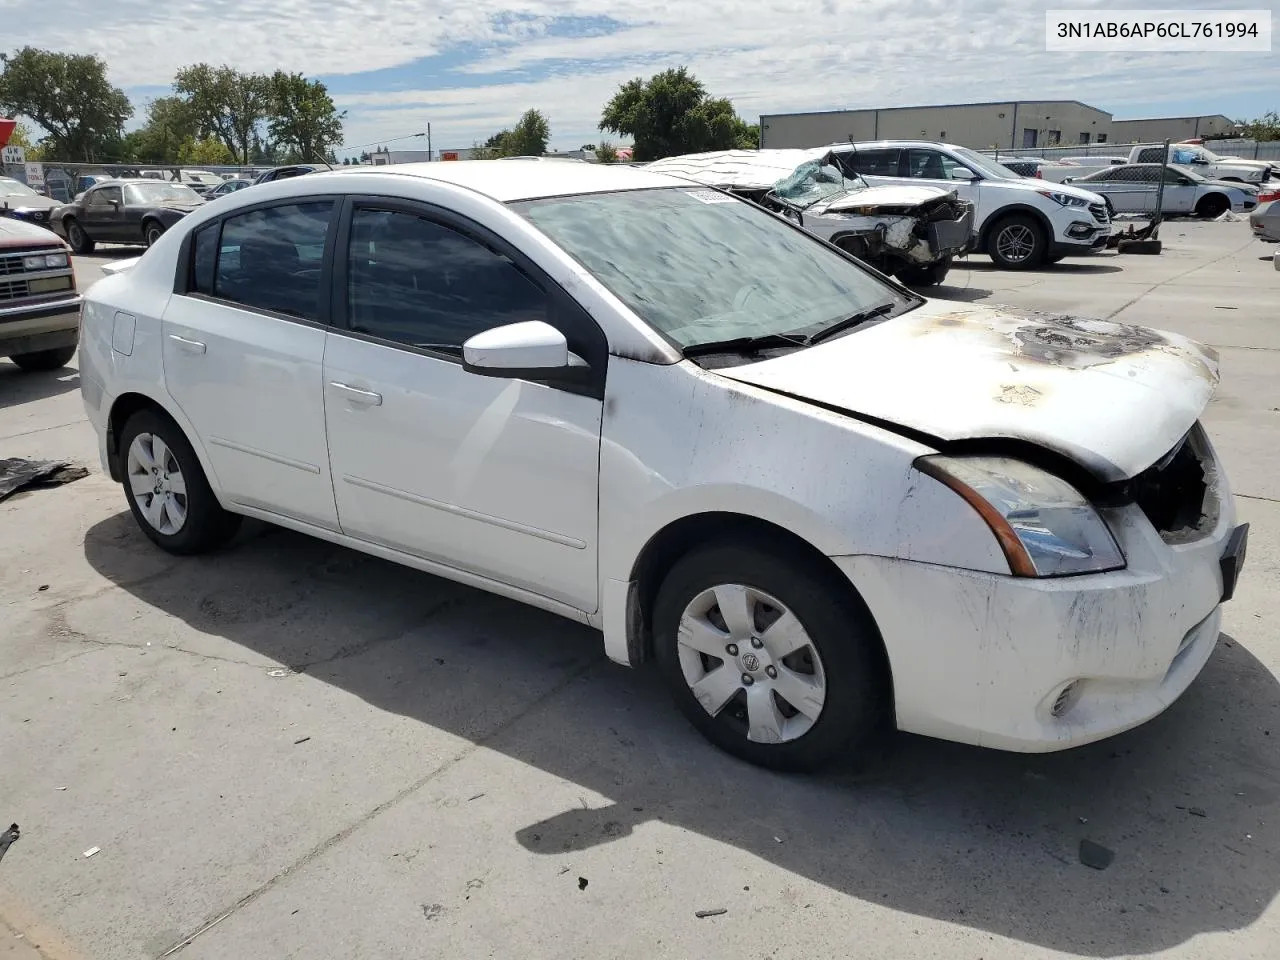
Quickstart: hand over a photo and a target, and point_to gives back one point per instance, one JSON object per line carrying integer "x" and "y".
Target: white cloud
{"x": 768, "y": 56}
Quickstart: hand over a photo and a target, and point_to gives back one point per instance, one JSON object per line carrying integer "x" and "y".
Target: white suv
{"x": 1019, "y": 223}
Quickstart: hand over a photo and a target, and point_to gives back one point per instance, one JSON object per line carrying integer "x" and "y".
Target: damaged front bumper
{"x": 1038, "y": 665}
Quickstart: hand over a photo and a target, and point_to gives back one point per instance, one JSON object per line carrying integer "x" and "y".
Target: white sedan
{"x": 1132, "y": 188}
{"x": 817, "y": 500}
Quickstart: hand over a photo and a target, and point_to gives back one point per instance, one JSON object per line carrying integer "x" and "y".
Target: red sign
{"x": 448, "y": 155}
{"x": 6, "y": 130}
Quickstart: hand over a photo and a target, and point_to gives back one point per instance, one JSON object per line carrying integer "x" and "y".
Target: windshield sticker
{"x": 709, "y": 196}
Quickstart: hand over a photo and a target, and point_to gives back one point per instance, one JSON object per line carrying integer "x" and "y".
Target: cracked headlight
{"x": 1045, "y": 527}
{"x": 1062, "y": 199}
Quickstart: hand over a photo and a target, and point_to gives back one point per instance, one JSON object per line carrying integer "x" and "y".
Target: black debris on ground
{"x": 17, "y": 474}
{"x": 1095, "y": 855}
{"x": 582, "y": 883}
{"x": 703, "y": 914}
{"x": 7, "y": 838}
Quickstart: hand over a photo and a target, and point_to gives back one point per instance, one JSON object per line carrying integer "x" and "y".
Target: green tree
{"x": 226, "y": 104}
{"x": 530, "y": 135}
{"x": 303, "y": 122}
{"x": 21, "y": 137}
{"x": 68, "y": 96}
{"x": 205, "y": 152}
{"x": 1265, "y": 127}
{"x": 606, "y": 152}
{"x": 671, "y": 113}
{"x": 169, "y": 125}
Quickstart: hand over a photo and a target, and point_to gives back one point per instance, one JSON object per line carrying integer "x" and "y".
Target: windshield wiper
{"x": 745, "y": 344}
{"x": 848, "y": 323}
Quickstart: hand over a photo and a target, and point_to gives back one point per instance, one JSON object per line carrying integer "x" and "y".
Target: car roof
{"x": 871, "y": 144}
{"x": 745, "y": 169}
{"x": 512, "y": 179}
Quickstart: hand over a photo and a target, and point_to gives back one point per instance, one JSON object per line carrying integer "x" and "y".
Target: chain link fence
{"x": 1244, "y": 149}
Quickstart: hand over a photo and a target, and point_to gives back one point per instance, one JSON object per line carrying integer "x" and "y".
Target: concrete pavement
{"x": 293, "y": 750}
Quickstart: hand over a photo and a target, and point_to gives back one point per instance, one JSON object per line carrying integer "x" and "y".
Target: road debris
{"x": 278, "y": 673}
{"x": 1197, "y": 812}
{"x": 16, "y": 474}
{"x": 42, "y": 588}
{"x": 476, "y": 797}
{"x": 432, "y": 910}
{"x": 703, "y": 914}
{"x": 1095, "y": 855}
{"x": 91, "y": 851}
{"x": 301, "y": 740}
{"x": 582, "y": 883}
{"x": 7, "y": 838}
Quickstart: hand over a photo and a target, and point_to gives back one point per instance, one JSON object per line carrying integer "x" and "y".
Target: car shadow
{"x": 1063, "y": 266}
{"x": 18, "y": 386}
{"x": 957, "y": 293}
{"x": 1189, "y": 803}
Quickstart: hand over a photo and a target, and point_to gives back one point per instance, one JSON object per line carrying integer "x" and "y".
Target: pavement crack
{"x": 364, "y": 646}
{"x": 327, "y": 844}
{"x": 42, "y": 666}
{"x": 1251, "y": 496}
{"x": 1185, "y": 273}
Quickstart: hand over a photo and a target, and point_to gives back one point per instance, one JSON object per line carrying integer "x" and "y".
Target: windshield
{"x": 814, "y": 181}
{"x": 144, "y": 193}
{"x": 12, "y": 188}
{"x": 985, "y": 165}
{"x": 701, "y": 266}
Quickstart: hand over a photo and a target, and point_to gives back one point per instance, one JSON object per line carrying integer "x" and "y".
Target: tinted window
{"x": 204, "y": 259}
{"x": 103, "y": 196}
{"x": 1151, "y": 155}
{"x": 873, "y": 163}
{"x": 417, "y": 282}
{"x": 270, "y": 259}
{"x": 932, "y": 165}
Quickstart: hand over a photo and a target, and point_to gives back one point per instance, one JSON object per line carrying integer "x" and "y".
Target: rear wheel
{"x": 166, "y": 487}
{"x": 1212, "y": 205}
{"x": 44, "y": 359}
{"x": 1017, "y": 242}
{"x": 770, "y": 657}
{"x": 77, "y": 238}
{"x": 152, "y": 230}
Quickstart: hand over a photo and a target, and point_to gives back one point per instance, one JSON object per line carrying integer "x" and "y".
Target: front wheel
{"x": 1055, "y": 258}
{"x": 167, "y": 490}
{"x": 77, "y": 238}
{"x": 44, "y": 359}
{"x": 773, "y": 659}
{"x": 926, "y": 276}
{"x": 1017, "y": 243}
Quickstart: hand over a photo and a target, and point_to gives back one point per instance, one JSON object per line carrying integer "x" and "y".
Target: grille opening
{"x": 1174, "y": 492}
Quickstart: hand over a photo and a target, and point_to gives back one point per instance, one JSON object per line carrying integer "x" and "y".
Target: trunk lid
{"x": 1113, "y": 398}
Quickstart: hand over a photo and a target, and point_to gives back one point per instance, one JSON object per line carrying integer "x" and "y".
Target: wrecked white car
{"x": 911, "y": 232}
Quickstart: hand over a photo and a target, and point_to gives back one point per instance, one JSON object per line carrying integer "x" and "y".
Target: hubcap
{"x": 1016, "y": 242}
{"x": 751, "y": 663}
{"x": 156, "y": 484}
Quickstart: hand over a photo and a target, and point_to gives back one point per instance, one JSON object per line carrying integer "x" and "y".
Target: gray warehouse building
{"x": 1171, "y": 128}
{"x": 1002, "y": 125}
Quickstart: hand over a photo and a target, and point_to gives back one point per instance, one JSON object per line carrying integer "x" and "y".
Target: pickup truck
{"x": 1206, "y": 163}
{"x": 39, "y": 305}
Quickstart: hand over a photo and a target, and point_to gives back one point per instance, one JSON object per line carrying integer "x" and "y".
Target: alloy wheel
{"x": 1016, "y": 243}
{"x": 156, "y": 484}
{"x": 750, "y": 663}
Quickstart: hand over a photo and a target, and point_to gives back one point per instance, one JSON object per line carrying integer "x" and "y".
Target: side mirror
{"x": 963, "y": 173}
{"x": 532, "y": 350}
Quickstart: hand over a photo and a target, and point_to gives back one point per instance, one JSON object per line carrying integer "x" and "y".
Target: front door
{"x": 1179, "y": 193}
{"x": 498, "y": 477}
{"x": 104, "y": 214}
{"x": 243, "y": 349}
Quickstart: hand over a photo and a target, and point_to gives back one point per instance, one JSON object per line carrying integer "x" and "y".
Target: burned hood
{"x": 16, "y": 233}
{"x": 1111, "y": 397}
{"x": 871, "y": 199}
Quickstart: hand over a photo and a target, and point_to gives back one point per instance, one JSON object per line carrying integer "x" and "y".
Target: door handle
{"x": 357, "y": 395}
{"x": 191, "y": 346}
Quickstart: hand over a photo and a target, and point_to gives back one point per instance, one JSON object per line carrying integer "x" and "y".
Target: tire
{"x": 77, "y": 238}
{"x": 1212, "y": 205}
{"x": 929, "y": 276}
{"x": 840, "y": 653}
{"x": 1055, "y": 257}
{"x": 152, "y": 230}
{"x": 1017, "y": 242}
{"x": 203, "y": 525}
{"x": 44, "y": 359}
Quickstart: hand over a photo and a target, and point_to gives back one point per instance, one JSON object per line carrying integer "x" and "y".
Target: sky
{"x": 470, "y": 67}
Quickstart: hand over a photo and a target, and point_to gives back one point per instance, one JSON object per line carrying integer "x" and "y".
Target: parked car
{"x": 1023, "y": 166}
{"x": 85, "y": 181}
{"x": 1132, "y": 188}
{"x": 284, "y": 173}
{"x": 1019, "y": 223}
{"x": 200, "y": 181}
{"x": 1205, "y": 162}
{"x": 123, "y": 211}
{"x": 816, "y": 499}
{"x": 911, "y": 232}
{"x": 20, "y": 202}
{"x": 228, "y": 186}
{"x": 1265, "y": 221}
{"x": 39, "y": 304}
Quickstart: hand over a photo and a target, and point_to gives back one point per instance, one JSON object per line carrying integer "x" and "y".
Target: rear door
{"x": 243, "y": 344}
